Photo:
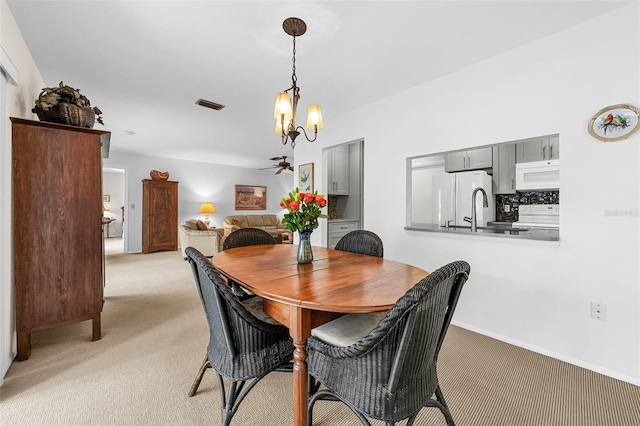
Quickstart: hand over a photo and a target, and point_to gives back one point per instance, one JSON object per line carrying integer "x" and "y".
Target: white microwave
{"x": 538, "y": 176}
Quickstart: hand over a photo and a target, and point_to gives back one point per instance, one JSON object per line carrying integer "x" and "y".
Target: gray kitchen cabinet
{"x": 538, "y": 149}
{"x": 339, "y": 229}
{"x": 474, "y": 159}
{"x": 504, "y": 169}
{"x": 338, "y": 182}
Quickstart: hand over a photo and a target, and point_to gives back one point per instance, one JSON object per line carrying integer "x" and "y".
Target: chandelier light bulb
{"x": 314, "y": 117}
{"x": 283, "y": 106}
{"x": 280, "y": 125}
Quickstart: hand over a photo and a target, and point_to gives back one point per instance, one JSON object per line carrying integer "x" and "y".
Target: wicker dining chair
{"x": 245, "y": 237}
{"x": 362, "y": 242}
{"x": 390, "y": 373}
{"x": 242, "y": 348}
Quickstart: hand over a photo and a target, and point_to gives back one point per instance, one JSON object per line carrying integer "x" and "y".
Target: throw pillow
{"x": 191, "y": 224}
{"x": 202, "y": 226}
{"x": 239, "y": 223}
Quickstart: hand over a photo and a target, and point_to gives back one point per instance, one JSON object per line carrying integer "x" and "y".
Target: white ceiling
{"x": 145, "y": 63}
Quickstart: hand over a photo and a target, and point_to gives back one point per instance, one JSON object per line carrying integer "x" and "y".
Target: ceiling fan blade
{"x": 279, "y": 171}
{"x": 265, "y": 168}
{"x": 290, "y": 168}
{"x": 276, "y": 158}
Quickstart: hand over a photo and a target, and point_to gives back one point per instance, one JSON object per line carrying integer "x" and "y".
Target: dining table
{"x": 303, "y": 296}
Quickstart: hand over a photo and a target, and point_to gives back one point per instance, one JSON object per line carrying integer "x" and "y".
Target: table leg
{"x": 300, "y": 330}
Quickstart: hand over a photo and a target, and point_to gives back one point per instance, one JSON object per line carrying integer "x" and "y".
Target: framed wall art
{"x": 614, "y": 123}
{"x": 250, "y": 197}
{"x": 305, "y": 177}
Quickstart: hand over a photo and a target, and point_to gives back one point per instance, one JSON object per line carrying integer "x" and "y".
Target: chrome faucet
{"x": 474, "y": 224}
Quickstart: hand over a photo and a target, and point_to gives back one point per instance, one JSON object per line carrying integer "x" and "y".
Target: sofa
{"x": 267, "y": 222}
{"x": 194, "y": 233}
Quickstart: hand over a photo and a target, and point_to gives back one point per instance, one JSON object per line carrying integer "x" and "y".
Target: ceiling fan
{"x": 281, "y": 166}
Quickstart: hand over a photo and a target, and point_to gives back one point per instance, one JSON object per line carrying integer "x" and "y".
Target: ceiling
{"x": 146, "y": 63}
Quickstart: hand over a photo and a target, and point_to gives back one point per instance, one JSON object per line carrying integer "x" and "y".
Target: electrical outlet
{"x": 599, "y": 311}
{"x": 506, "y": 208}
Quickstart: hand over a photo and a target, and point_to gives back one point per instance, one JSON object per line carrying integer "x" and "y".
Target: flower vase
{"x": 305, "y": 254}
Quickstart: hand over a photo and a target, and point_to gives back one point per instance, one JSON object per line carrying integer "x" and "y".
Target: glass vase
{"x": 305, "y": 254}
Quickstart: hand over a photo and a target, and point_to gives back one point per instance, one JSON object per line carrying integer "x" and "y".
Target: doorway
{"x": 8, "y": 75}
{"x": 345, "y": 188}
{"x": 113, "y": 205}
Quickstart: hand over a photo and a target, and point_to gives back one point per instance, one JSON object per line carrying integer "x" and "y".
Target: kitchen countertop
{"x": 502, "y": 232}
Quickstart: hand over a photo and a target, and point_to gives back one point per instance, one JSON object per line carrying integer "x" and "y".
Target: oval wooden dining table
{"x": 304, "y": 296}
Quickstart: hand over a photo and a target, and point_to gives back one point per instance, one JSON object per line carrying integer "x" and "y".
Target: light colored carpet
{"x": 154, "y": 335}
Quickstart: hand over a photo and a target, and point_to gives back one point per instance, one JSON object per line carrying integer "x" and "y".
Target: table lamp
{"x": 207, "y": 208}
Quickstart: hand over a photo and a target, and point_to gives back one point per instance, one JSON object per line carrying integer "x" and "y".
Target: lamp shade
{"x": 283, "y": 106}
{"x": 314, "y": 117}
{"x": 207, "y": 208}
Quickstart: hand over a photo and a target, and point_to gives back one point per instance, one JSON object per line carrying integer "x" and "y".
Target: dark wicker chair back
{"x": 247, "y": 237}
{"x": 241, "y": 347}
{"x": 390, "y": 374}
{"x": 362, "y": 242}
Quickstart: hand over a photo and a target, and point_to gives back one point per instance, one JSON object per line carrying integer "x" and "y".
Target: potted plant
{"x": 65, "y": 105}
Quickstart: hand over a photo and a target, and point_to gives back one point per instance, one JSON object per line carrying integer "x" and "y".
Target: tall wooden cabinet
{"x": 159, "y": 215}
{"x": 57, "y": 223}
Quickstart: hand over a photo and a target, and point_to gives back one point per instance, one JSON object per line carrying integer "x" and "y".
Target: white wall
{"x": 198, "y": 182}
{"x": 20, "y": 100}
{"x": 532, "y": 294}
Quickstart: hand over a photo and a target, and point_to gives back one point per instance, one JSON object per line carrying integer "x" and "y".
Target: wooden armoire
{"x": 159, "y": 215}
{"x": 57, "y": 226}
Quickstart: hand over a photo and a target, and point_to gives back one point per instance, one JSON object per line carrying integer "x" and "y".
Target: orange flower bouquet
{"x": 304, "y": 210}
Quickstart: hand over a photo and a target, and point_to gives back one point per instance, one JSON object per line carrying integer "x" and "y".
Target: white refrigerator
{"x": 452, "y": 197}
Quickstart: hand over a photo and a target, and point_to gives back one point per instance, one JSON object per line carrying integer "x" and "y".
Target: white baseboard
{"x": 570, "y": 360}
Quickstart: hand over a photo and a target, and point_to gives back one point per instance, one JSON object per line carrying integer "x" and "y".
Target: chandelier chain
{"x": 294, "y": 77}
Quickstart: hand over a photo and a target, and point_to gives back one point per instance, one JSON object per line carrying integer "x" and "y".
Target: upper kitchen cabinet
{"x": 338, "y": 170}
{"x": 474, "y": 159}
{"x": 538, "y": 149}
{"x": 504, "y": 169}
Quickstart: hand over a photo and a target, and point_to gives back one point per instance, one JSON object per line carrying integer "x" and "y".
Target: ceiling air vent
{"x": 209, "y": 104}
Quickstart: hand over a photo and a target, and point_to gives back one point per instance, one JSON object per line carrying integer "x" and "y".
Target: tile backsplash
{"x": 512, "y": 201}
{"x": 332, "y": 208}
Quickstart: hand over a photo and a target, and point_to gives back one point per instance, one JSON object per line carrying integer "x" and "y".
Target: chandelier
{"x": 285, "y": 113}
